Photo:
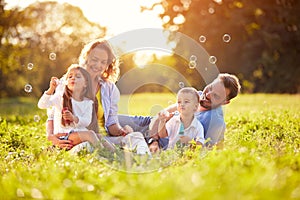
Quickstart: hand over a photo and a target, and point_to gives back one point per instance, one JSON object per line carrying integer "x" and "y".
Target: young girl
{"x": 182, "y": 127}
{"x": 73, "y": 107}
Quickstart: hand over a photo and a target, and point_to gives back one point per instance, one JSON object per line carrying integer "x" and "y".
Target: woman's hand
{"x": 63, "y": 144}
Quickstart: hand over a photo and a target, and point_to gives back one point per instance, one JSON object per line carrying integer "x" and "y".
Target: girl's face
{"x": 76, "y": 80}
{"x": 97, "y": 62}
{"x": 187, "y": 103}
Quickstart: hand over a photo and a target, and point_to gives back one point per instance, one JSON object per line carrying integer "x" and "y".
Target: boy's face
{"x": 214, "y": 95}
{"x": 97, "y": 62}
{"x": 187, "y": 103}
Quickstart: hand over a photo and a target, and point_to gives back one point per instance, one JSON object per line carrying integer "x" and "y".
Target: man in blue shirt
{"x": 224, "y": 88}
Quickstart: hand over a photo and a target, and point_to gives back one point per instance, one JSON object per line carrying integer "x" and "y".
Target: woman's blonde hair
{"x": 113, "y": 70}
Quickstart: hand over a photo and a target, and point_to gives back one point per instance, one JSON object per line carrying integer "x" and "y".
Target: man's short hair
{"x": 231, "y": 82}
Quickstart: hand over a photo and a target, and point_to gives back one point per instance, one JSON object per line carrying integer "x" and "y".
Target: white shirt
{"x": 194, "y": 131}
{"x": 81, "y": 109}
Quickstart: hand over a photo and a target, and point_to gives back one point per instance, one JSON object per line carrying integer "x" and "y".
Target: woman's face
{"x": 97, "y": 62}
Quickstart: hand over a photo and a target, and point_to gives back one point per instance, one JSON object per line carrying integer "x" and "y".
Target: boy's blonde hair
{"x": 191, "y": 90}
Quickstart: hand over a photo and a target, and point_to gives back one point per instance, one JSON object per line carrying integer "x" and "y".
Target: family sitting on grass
{"x": 82, "y": 110}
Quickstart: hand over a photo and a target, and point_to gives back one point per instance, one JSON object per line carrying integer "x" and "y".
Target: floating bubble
{"x": 205, "y": 69}
{"x": 202, "y": 38}
{"x": 29, "y": 66}
{"x": 181, "y": 84}
{"x": 28, "y": 88}
{"x": 211, "y": 10}
{"x": 193, "y": 58}
{"x": 192, "y": 64}
{"x": 36, "y": 118}
{"x": 52, "y": 56}
{"x": 226, "y": 38}
{"x": 212, "y": 59}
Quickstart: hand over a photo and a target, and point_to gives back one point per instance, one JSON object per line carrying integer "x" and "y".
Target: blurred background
{"x": 259, "y": 41}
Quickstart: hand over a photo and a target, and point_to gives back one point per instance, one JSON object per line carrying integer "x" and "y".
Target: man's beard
{"x": 205, "y": 105}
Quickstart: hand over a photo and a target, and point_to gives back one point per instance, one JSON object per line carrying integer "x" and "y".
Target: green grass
{"x": 261, "y": 158}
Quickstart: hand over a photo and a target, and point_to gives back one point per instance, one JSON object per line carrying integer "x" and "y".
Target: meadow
{"x": 260, "y": 159}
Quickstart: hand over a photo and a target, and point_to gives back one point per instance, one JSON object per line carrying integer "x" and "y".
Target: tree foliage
{"x": 47, "y": 36}
{"x": 265, "y": 38}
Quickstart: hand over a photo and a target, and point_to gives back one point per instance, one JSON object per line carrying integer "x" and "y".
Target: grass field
{"x": 260, "y": 160}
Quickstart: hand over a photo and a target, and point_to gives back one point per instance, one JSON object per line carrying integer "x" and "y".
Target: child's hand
{"x": 68, "y": 116}
{"x": 185, "y": 139}
{"x": 163, "y": 115}
{"x": 52, "y": 85}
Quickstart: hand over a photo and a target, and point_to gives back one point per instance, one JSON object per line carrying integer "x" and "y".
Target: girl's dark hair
{"x": 87, "y": 92}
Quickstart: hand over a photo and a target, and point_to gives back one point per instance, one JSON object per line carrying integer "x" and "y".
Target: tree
{"x": 265, "y": 38}
{"x": 47, "y": 36}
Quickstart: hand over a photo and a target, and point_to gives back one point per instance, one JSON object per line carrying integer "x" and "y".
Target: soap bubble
{"x": 192, "y": 64}
{"x": 226, "y": 38}
{"x": 202, "y": 39}
{"x": 193, "y": 58}
{"x": 211, "y": 10}
{"x": 181, "y": 84}
{"x": 212, "y": 59}
{"x": 36, "y": 118}
{"x": 28, "y": 88}
{"x": 52, "y": 56}
{"x": 29, "y": 66}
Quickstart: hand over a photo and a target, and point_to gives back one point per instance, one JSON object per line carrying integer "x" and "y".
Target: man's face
{"x": 214, "y": 95}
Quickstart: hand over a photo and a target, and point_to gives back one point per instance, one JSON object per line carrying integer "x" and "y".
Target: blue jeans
{"x": 141, "y": 124}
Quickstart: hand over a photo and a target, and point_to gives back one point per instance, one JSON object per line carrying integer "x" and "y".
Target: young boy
{"x": 183, "y": 127}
